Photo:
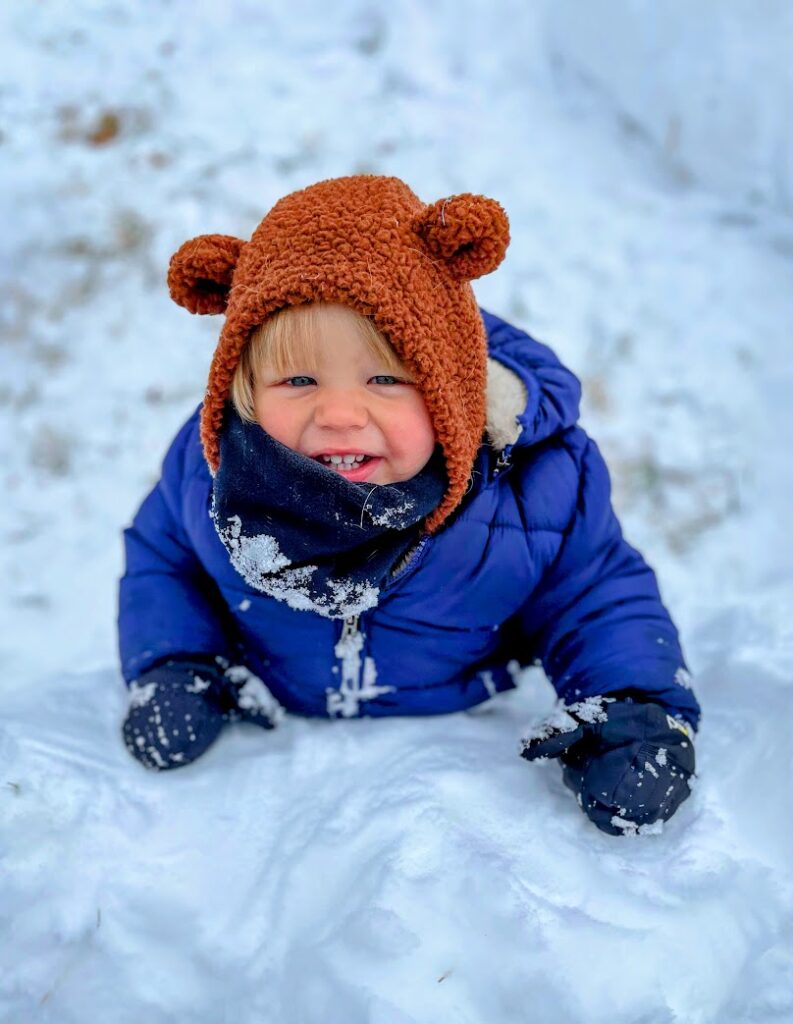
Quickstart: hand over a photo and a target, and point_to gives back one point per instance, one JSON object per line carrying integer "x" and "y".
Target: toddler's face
{"x": 345, "y": 405}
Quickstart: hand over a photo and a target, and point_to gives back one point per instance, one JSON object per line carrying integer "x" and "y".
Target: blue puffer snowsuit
{"x": 531, "y": 566}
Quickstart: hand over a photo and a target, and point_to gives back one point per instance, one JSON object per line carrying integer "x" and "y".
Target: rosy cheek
{"x": 416, "y": 435}
{"x": 279, "y": 421}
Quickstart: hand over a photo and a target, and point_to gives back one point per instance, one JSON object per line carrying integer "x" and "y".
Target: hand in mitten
{"x": 629, "y": 763}
{"x": 177, "y": 709}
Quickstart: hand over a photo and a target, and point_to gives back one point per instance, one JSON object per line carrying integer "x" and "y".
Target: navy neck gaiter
{"x": 301, "y": 533}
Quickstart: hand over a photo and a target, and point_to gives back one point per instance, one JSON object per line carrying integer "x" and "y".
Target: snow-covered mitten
{"x": 629, "y": 762}
{"x": 177, "y": 709}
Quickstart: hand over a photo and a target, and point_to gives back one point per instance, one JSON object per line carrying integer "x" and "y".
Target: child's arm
{"x": 599, "y": 627}
{"x": 596, "y": 621}
{"x": 173, "y": 636}
{"x": 168, "y": 604}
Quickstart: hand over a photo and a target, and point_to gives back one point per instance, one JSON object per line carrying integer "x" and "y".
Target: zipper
{"x": 358, "y": 674}
{"x": 349, "y": 628}
{"x": 504, "y": 461}
{"x": 418, "y": 553}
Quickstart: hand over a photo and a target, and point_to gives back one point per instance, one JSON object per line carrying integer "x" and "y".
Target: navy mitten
{"x": 628, "y": 761}
{"x": 177, "y": 709}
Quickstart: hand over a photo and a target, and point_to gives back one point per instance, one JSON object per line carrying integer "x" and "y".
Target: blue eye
{"x": 300, "y": 382}
{"x": 385, "y": 378}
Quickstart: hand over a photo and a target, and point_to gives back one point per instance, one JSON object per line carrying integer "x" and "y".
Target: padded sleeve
{"x": 168, "y": 604}
{"x": 596, "y": 621}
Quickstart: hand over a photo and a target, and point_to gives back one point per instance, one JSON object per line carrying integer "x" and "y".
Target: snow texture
{"x": 253, "y": 695}
{"x": 567, "y": 718}
{"x": 398, "y": 871}
{"x": 198, "y": 685}
{"x": 254, "y": 558}
{"x": 263, "y": 566}
{"x": 141, "y": 694}
{"x": 391, "y": 516}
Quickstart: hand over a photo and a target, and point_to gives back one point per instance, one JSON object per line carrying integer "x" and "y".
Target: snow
{"x": 404, "y": 870}
{"x": 566, "y": 718}
{"x": 710, "y": 91}
{"x": 393, "y": 516}
{"x": 591, "y": 710}
{"x": 253, "y": 694}
{"x": 630, "y": 828}
{"x": 141, "y": 694}
{"x": 262, "y": 564}
{"x": 198, "y": 685}
{"x": 255, "y": 557}
{"x": 358, "y": 676}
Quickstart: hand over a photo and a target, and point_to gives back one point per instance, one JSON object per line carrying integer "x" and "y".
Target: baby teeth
{"x": 347, "y": 460}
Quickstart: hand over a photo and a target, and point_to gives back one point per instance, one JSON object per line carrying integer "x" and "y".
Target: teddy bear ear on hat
{"x": 201, "y": 271}
{"x": 471, "y": 233}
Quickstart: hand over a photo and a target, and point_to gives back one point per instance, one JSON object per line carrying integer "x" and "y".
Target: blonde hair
{"x": 286, "y": 339}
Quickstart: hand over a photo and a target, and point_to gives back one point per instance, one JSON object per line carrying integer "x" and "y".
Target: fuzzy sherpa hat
{"x": 367, "y": 242}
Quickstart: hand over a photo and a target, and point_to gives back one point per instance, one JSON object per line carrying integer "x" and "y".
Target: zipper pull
{"x": 504, "y": 461}
{"x": 350, "y": 627}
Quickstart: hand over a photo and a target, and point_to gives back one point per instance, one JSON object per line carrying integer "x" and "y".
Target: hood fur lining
{"x": 506, "y": 400}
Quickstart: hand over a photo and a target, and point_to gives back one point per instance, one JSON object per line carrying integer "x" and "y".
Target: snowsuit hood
{"x": 367, "y": 242}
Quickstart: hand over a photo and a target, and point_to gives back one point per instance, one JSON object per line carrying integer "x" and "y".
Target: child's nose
{"x": 340, "y": 410}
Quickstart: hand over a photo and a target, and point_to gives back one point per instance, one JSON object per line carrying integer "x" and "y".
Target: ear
{"x": 200, "y": 272}
{"x": 471, "y": 233}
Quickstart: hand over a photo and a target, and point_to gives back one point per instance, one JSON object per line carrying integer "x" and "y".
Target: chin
{"x": 392, "y": 478}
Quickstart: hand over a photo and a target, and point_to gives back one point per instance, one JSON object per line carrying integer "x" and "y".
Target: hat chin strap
{"x": 506, "y": 400}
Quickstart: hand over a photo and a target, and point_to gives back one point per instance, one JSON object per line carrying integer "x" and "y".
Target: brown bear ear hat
{"x": 369, "y": 243}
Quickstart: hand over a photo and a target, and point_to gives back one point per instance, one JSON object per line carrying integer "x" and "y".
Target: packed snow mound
{"x": 398, "y": 870}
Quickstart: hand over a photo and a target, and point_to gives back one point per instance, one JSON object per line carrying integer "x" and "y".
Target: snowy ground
{"x": 404, "y": 871}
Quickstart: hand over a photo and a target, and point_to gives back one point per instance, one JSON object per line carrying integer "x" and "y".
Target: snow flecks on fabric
{"x": 630, "y": 828}
{"x": 358, "y": 682}
{"x": 346, "y": 598}
{"x": 263, "y": 566}
{"x": 567, "y": 718}
{"x": 660, "y": 757}
{"x": 198, "y": 685}
{"x": 141, "y": 693}
{"x": 558, "y": 721}
{"x": 244, "y": 605}
{"x": 253, "y": 695}
{"x": 156, "y": 757}
{"x": 650, "y": 767}
{"x": 489, "y": 685}
{"x": 252, "y": 557}
{"x": 392, "y": 516}
{"x": 683, "y": 678}
{"x": 591, "y": 710}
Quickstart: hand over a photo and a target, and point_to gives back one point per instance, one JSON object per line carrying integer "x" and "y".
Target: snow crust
{"x": 254, "y": 558}
{"x": 262, "y": 564}
{"x": 416, "y": 870}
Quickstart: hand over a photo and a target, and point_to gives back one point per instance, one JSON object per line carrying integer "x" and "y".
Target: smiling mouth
{"x": 344, "y": 461}
{"x": 352, "y": 464}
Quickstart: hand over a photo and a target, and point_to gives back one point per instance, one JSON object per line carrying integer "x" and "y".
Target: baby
{"x": 385, "y": 506}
